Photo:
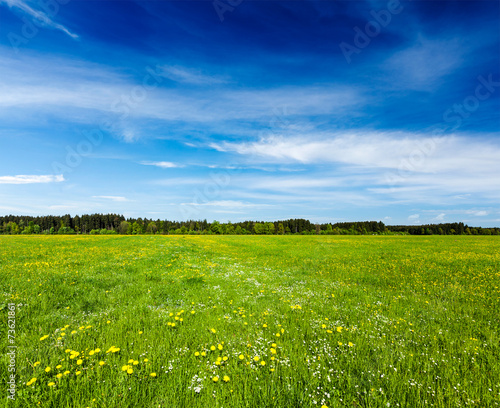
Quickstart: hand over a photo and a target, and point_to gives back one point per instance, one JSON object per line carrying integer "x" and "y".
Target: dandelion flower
{"x": 242, "y": 357}
{"x": 197, "y": 353}
{"x": 36, "y": 363}
{"x": 130, "y": 370}
{"x": 32, "y": 381}
{"x": 44, "y": 337}
{"x": 91, "y": 352}
{"x": 58, "y": 366}
{"x": 226, "y": 378}
{"x": 78, "y": 372}
{"x": 219, "y": 346}
{"x": 79, "y": 362}
{"x": 153, "y": 374}
{"x": 212, "y": 348}
{"x": 263, "y": 363}
{"x": 350, "y": 344}
{"x": 203, "y": 354}
{"x": 59, "y": 375}
{"x": 256, "y": 358}
{"x": 50, "y": 384}
{"x": 101, "y": 363}
{"x": 47, "y": 370}
{"x": 66, "y": 372}
{"x": 213, "y": 330}
{"x": 215, "y": 379}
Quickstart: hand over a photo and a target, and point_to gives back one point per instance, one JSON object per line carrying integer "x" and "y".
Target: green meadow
{"x": 250, "y": 321}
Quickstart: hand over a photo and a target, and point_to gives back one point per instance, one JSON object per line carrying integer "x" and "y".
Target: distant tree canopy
{"x": 100, "y": 224}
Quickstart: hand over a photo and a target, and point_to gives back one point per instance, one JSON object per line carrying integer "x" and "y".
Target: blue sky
{"x": 263, "y": 110}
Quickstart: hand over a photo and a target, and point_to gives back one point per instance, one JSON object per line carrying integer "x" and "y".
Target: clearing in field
{"x": 238, "y": 321}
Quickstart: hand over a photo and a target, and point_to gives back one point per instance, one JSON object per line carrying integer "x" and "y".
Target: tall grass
{"x": 259, "y": 321}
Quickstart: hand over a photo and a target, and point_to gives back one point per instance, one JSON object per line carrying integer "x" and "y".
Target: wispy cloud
{"x": 25, "y": 179}
{"x": 190, "y": 76}
{"x": 40, "y": 16}
{"x": 112, "y": 198}
{"x": 161, "y": 164}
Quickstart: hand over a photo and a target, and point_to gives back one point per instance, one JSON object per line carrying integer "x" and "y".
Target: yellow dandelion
{"x": 256, "y": 358}
{"x": 79, "y": 362}
{"x": 203, "y": 354}
{"x": 213, "y": 330}
{"x": 212, "y": 348}
{"x": 51, "y": 384}
{"x": 59, "y": 375}
{"x": 197, "y": 353}
{"x": 91, "y": 352}
{"x": 241, "y": 357}
{"x": 32, "y": 381}
{"x": 219, "y": 346}
{"x": 44, "y": 337}
{"x": 215, "y": 379}
{"x": 47, "y": 370}
{"x": 263, "y": 363}
{"x": 58, "y": 366}
{"x": 78, "y": 372}
{"x": 66, "y": 372}
{"x": 36, "y": 363}
{"x": 226, "y": 378}
{"x": 153, "y": 374}
{"x": 101, "y": 363}
{"x": 130, "y": 370}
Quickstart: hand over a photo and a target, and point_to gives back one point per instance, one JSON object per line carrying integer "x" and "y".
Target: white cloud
{"x": 39, "y": 16}
{"x": 24, "y": 179}
{"x": 189, "y": 76}
{"x": 227, "y": 204}
{"x": 414, "y": 218}
{"x": 112, "y": 198}
{"x": 439, "y": 217}
{"x": 477, "y": 213}
{"x": 424, "y": 63}
{"x": 162, "y": 164}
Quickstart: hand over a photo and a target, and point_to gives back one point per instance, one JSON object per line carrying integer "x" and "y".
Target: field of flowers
{"x": 250, "y": 321}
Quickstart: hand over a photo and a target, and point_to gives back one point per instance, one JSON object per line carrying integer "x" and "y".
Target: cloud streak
{"x": 39, "y": 16}
{"x": 24, "y": 179}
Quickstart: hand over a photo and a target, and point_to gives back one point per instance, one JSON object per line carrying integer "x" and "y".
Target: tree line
{"x": 102, "y": 224}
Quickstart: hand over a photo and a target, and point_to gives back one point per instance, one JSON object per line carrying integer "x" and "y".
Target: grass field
{"x": 236, "y": 321}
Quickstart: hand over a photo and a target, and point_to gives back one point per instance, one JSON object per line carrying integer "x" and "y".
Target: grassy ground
{"x": 234, "y": 321}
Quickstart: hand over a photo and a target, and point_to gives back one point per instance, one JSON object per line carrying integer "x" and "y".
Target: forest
{"x": 101, "y": 224}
